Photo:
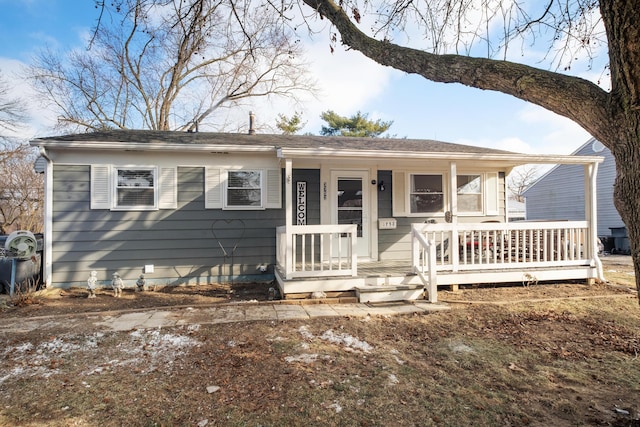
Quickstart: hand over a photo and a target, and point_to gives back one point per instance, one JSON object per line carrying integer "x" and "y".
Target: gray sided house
{"x": 559, "y": 194}
{"x": 386, "y": 219}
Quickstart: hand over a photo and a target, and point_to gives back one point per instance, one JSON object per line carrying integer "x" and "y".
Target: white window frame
{"x": 261, "y": 187}
{"x": 216, "y": 188}
{"x": 401, "y": 197}
{"x": 114, "y": 194}
{"x": 481, "y": 195}
{"x": 408, "y": 184}
{"x": 103, "y": 187}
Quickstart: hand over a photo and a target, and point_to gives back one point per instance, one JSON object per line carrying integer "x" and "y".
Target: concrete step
{"x": 388, "y": 293}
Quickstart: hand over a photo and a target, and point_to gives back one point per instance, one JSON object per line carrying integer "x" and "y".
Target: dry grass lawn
{"x": 539, "y": 357}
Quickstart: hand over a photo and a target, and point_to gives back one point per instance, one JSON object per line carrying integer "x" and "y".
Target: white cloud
{"x": 40, "y": 121}
{"x": 550, "y": 134}
{"x": 561, "y": 135}
{"x": 347, "y": 81}
{"x": 514, "y": 144}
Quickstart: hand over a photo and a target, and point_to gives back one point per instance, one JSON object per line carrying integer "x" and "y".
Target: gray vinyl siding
{"x": 190, "y": 244}
{"x": 396, "y": 244}
{"x": 559, "y": 195}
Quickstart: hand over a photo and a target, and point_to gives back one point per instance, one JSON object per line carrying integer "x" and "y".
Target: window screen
{"x": 426, "y": 195}
{"x": 469, "y": 193}
{"x": 135, "y": 188}
{"x": 244, "y": 188}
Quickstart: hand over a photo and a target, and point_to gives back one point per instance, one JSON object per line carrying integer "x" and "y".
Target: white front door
{"x": 351, "y": 205}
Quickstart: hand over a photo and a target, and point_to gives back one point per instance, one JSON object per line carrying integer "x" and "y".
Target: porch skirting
{"x": 394, "y": 281}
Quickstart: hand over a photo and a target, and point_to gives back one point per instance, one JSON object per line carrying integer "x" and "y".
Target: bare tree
{"x": 12, "y": 111}
{"x": 21, "y": 188}
{"x": 466, "y": 43}
{"x": 171, "y": 65}
{"x": 520, "y": 179}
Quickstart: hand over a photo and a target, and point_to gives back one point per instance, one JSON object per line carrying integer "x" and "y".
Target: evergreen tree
{"x": 356, "y": 125}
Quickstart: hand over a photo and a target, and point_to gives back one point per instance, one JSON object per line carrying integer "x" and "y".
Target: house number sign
{"x": 301, "y": 206}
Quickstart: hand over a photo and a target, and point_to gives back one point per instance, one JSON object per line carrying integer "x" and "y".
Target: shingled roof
{"x": 159, "y": 138}
{"x": 300, "y": 146}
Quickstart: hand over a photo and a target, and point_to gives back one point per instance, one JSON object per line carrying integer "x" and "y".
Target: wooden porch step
{"x": 389, "y": 293}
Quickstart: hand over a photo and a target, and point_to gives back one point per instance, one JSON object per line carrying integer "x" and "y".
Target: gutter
{"x": 48, "y": 217}
{"x": 515, "y": 158}
{"x": 129, "y": 146}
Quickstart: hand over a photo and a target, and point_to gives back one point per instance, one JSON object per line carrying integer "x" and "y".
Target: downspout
{"x": 48, "y": 217}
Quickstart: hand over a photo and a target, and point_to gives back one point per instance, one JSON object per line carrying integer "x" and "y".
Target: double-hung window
{"x": 133, "y": 188}
{"x": 429, "y": 194}
{"x": 469, "y": 193}
{"x": 426, "y": 194}
{"x": 136, "y": 188}
{"x": 244, "y": 189}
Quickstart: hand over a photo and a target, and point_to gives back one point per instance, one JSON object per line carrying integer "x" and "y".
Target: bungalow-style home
{"x": 559, "y": 195}
{"x": 386, "y": 219}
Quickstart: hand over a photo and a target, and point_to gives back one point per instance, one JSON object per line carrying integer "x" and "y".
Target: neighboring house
{"x": 516, "y": 210}
{"x": 559, "y": 194}
{"x": 385, "y": 218}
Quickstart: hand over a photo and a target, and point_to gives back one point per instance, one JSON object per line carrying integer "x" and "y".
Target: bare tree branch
{"x": 172, "y": 63}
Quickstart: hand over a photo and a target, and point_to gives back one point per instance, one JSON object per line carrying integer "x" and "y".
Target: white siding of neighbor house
{"x": 559, "y": 194}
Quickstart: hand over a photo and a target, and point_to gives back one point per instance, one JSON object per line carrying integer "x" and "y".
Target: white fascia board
{"x": 511, "y": 159}
{"x": 133, "y": 146}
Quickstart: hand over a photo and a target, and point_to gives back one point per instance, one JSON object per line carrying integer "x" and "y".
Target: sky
{"x": 349, "y": 82}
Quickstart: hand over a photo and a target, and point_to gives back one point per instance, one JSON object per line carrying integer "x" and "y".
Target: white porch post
{"x": 288, "y": 188}
{"x": 453, "y": 209}
{"x": 591, "y": 211}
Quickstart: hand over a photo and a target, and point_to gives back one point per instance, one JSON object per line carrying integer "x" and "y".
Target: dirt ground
{"x": 618, "y": 270}
{"x": 561, "y": 354}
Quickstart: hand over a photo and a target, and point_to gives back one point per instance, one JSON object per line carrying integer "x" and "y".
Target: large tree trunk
{"x": 627, "y": 194}
{"x": 622, "y": 136}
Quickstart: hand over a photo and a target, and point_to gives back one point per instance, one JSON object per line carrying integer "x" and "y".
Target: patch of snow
{"x": 458, "y": 347}
{"x": 346, "y": 340}
{"x": 304, "y": 331}
{"x": 302, "y": 358}
{"x": 336, "y": 407}
{"x": 151, "y": 347}
{"x": 395, "y": 354}
{"x": 393, "y": 380}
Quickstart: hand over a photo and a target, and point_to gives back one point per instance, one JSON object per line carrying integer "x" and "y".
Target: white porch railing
{"x": 423, "y": 259}
{"x": 317, "y": 250}
{"x": 518, "y": 245}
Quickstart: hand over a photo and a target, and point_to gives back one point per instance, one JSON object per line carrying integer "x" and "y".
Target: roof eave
{"x": 133, "y": 146}
{"x": 508, "y": 158}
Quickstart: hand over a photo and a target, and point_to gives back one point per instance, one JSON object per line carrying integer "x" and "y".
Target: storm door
{"x": 352, "y": 205}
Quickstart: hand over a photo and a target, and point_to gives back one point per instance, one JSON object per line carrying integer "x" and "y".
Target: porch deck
{"x": 321, "y": 258}
{"x": 394, "y": 280}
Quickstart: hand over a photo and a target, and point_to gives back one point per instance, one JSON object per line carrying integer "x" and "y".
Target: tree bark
{"x": 611, "y": 117}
